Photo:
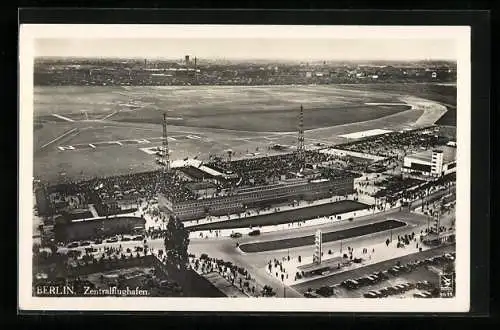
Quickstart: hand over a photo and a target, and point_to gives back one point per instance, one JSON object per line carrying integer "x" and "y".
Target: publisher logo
{"x": 447, "y": 285}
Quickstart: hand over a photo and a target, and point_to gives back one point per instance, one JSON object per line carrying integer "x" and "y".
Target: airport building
{"x": 82, "y": 229}
{"x": 431, "y": 163}
{"x": 238, "y": 199}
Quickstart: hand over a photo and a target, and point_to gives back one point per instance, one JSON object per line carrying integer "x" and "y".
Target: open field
{"x": 449, "y": 118}
{"x": 244, "y": 119}
{"x": 327, "y": 237}
{"x": 258, "y": 108}
{"x": 446, "y": 94}
{"x": 301, "y": 214}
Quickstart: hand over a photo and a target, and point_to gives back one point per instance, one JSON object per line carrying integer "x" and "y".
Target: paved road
{"x": 327, "y": 237}
{"x": 300, "y": 214}
{"x": 381, "y": 266}
{"x": 225, "y": 248}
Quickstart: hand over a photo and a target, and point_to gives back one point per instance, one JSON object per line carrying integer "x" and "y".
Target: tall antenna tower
{"x": 195, "y": 72}
{"x": 165, "y": 150}
{"x": 300, "y": 138}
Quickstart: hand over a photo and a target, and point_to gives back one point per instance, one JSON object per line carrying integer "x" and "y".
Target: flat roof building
{"x": 431, "y": 163}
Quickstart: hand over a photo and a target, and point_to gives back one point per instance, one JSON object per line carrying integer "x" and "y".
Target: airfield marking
{"x": 63, "y": 118}
{"x": 126, "y": 142}
{"x": 361, "y": 134}
{"x": 59, "y": 137}
{"x": 110, "y": 115}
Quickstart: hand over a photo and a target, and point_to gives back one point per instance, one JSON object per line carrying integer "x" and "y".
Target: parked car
{"x": 350, "y": 284}
{"x": 383, "y": 275}
{"x": 419, "y": 295}
{"x": 384, "y": 292}
{"x": 112, "y": 240}
{"x": 311, "y": 295}
{"x": 394, "y": 270}
{"x": 325, "y": 291}
{"x": 400, "y": 288}
{"x": 392, "y": 290}
{"x": 236, "y": 235}
{"x": 427, "y": 294}
{"x": 98, "y": 241}
{"x": 255, "y": 232}
{"x": 424, "y": 285}
{"x": 72, "y": 245}
{"x": 138, "y": 238}
{"x": 126, "y": 239}
{"x": 370, "y": 294}
{"x": 85, "y": 243}
{"x": 449, "y": 256}
{"x": 405, "y": 269}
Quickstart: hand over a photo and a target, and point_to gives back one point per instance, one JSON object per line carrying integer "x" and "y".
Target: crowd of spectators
{"x": 397, "y": 144}
{"x": 412, "y": 189}
{"x": 103, "y": 193}
{"x": 239, "y": 277}
{"x": 265, "y": 170}
{"x": 394, "y": 185}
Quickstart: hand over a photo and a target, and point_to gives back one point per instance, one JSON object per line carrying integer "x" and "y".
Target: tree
{"x": 176, "y": 243}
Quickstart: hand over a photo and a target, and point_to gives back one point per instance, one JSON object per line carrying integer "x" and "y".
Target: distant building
{"x": 186, "y": 59}
{"x": 431, "y": 163}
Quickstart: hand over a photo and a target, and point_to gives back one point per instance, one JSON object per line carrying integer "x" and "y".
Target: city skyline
{"x": 252, "y": 49}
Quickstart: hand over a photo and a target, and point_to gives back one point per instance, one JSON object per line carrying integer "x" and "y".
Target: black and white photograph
{"x": 318, "y": 168}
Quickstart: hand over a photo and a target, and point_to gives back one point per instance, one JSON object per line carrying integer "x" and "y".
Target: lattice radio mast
{"x": 165, "y": 150}
{"x": 300, "y": 138}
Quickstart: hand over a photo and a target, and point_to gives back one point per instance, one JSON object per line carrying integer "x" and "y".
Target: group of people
{"x": 396, "y": 144}
{"x": 104, "y": 193}
{"x": 262, "y": 170}
{"x": 237, "y": 276}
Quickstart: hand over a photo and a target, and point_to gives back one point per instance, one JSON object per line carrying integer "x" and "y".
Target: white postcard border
{"x": 28, "y": 33}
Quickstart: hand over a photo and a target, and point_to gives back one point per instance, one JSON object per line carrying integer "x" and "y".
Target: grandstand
{"x": 250, "y": 182}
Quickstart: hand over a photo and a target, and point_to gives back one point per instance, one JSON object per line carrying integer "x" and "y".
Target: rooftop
{"x": 449, "y": 154}
{"x": 326, "y": 263}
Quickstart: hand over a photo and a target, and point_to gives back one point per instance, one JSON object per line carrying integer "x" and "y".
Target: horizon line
{"x": 245, "y": 59}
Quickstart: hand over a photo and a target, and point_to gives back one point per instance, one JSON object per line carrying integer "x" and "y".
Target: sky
{"x": 247, "y": 48}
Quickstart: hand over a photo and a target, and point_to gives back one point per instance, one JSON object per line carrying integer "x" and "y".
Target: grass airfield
{"x": 202, "y": 120}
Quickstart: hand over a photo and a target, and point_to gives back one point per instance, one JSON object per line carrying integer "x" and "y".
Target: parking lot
{"x": 385, "y": 277}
